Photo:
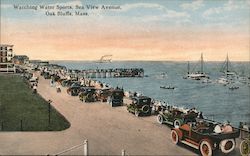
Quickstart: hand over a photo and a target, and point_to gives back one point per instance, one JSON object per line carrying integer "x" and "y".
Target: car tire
{"x": 160, "y": 119}
{"x": 177, "y": 123}
{"x": 205, "y": 148}
{"x": 174, "y": 137}
{"x": 244, "y": 148}
{"x": 145, "y": 109}
{"x": 74, "y": 92}
{"x": 227, "y": 145}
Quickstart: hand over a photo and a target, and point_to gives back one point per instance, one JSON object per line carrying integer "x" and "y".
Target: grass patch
{"x": 21, "y": 110}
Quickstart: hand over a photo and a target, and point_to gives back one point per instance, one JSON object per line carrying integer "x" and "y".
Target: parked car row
{"x": 88, "y": 93}
{"x": 187, "y": 125}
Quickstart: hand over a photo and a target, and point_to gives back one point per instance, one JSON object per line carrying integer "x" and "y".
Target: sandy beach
{"x": 108, "y": 130}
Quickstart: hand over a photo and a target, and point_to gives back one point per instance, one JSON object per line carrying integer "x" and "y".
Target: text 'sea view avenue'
{"x": 119, "y": 77}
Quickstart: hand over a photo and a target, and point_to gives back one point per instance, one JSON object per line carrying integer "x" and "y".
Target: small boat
{"x": 167, "y": 87}
{"x": 206, "y": 81}
{"x": 223, "y": 80}
{"x": 163, "y": 75}
{"x": 234, "y": 87}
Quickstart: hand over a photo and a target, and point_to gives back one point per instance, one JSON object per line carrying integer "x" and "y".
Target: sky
{"x": 138, "y": 30}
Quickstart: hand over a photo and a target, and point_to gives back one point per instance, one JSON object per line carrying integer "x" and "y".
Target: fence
{"x": 85, "y": 149}
{"x": 34, "y": 124}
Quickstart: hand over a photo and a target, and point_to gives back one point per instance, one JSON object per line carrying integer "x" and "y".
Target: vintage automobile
{"x": 55, "y": 77}
{"x": 33, "y": 82}
{"x": 204, "y": 136}
{"x": 91, "y": 97}
{"x": 103, "y": 94}
{"x": 46, "y": 75}
{"x": 86, "y": 94}
{"x": 116, "y": 97}
{"x": 74, "y": 89}
{"x": 140, "y": 105}
{"x": 68, "y": 83}
{"x": 175, "y": 116}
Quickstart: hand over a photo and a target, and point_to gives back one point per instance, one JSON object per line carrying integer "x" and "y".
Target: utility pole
{"x": 49, "y": 112}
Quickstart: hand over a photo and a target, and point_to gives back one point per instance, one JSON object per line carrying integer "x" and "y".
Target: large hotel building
{"x": 6, "y": 58}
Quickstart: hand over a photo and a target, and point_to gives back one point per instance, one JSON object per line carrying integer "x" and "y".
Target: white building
{"x": 6, "y": 58}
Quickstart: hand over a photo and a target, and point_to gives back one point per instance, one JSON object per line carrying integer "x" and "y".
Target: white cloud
{"x": 166, "y": 13}
{"x": 212, "y": 11}
{"x": 231, "y": 5}
{"x": 175, "y": 14}
{"x": 128, "y": 7}
{"x": 193, "y": 6}
{"x": 175, "y": 17}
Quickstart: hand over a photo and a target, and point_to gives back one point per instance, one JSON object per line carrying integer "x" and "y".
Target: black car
{"x": 74, "y": 89}
{"x": 103, "y": 94}
{"x": 86, "y": 94}
{"x": 176, "y": 117}
{"x": 116, "y": 97}
{"x": 46, "y": 75}
{"x": 140, "y": 106}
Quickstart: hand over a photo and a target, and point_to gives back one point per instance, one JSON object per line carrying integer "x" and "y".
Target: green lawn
{"x": 17, "y": 102}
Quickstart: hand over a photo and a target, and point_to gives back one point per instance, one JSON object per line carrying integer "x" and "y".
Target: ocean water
{"x": 214, "y": 100}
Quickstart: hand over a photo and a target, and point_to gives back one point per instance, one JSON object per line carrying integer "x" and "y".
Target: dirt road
{"x": 108, "y": 130}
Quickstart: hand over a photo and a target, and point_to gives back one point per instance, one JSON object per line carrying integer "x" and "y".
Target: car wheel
{"x": 177, "y": 123}
{"x": 145, "y": 109}
{"x": 160, "y": 119}
{"x": 244, "y": 148}
{"x": 137, "y": 113}
{"x": 174, "y": 137}
{"x": 205, "y": 148}
{"x": 227, "y": 145}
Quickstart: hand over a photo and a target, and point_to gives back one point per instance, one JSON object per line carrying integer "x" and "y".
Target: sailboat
{"x": 225, "y": 68}
{"x": 198, "y": 75}
{"x": 229, "y": 74}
